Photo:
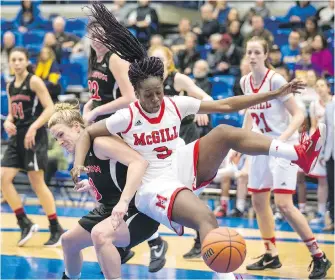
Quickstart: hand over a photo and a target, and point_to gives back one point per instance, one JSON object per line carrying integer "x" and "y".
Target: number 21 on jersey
{"x": 261, "y": 122}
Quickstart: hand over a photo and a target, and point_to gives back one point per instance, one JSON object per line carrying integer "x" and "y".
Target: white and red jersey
{"x": 270, "y": 118}
{"x": 154, "y": 136}
{"x": 317, "y": 110}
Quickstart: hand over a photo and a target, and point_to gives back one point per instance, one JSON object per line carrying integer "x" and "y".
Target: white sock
{"x": 322, "y": 208}
{"x": 240, "y": 204}
{"x": 154, "y": 236}
{"x": 282, "y": 150}
{"x": 72, "y": 276}
{"x": 228, "y": 276}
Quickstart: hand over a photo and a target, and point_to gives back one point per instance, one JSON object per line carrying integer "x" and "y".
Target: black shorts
{"x": 189, "y": 132}
{"x": 16, "y": 156}
{"x": 141, "y": 227}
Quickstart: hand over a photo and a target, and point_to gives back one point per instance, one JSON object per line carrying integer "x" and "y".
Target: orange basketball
{"x": 223, "y": 250}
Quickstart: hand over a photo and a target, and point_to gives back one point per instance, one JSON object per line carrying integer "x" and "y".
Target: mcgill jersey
{"x": 317, "y": 110}
{"x": 106, "y": 177}
{"x": 154, "y": 136}
{"x": 26, "y": 107}
{"x": 270, "y": 118}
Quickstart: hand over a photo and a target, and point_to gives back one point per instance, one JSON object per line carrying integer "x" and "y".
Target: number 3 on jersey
{"x": 93, "y": 87}
{"x": 163, "y": 152}
{"x": 258, "y": 120}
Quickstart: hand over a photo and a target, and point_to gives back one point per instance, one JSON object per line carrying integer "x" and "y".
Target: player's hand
{"x": 89, "y": 117}
{"x": 29, "y": 139}
{"x": 10, "y": 128}
{"x": 201, "y": 119}
{"x": 82, "y": 186}
{"x": 118, "y": 213}
{"x": 76, "y": 171}
{"x": 234, "y": 157}
{"x": 296, "y": 86}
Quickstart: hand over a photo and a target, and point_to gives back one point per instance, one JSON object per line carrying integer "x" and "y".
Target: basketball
{"x": 223, "y": 250}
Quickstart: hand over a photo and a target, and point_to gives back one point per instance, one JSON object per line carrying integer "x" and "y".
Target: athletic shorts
{"x": 156, "y": 197}
{"x": 268, "y": 173}
{"x": 141, "y": 227}
{"x": 319, "y": 169}
{"x": 16, "y": 156}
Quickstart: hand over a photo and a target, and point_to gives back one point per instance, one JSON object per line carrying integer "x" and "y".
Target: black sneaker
{"x": 27, "y": 230}
{"x": 157, "y": 256}
{"x": 194, "y": 253}
{"x": 64, "y": 276}
{"x": 127, "y": 256}
{"x": 320, "y": 267}
{"x": 235, "y": 213}
{"x": 56, "y": 232}
{"x": 266, "y": 261}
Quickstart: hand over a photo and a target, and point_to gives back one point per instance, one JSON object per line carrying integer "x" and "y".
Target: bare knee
{"x": 223, "y": 130}
{"x": 284, "y": 206}
{"x": 99, "y": 236}
{"x": 259, "y": 202}
{"x": 6, "y": 179}
{"x": 68, "y": 241}
{"x": 36, "y": 179}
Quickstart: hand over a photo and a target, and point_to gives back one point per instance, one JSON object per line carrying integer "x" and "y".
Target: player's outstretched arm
{"x": 237, "y": 103}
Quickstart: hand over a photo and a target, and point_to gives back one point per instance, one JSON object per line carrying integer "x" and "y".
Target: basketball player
{"x": 113, "y": 187}
{"x": 176, "y": 84}
{"x": 111, "y": 90}
{"x": 279, "y": 119}
{"x": 316, "y": 113}
{"x": 30, "y": 107}
{"x": 151, "y": 126}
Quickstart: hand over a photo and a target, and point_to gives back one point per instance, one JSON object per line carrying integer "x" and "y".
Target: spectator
{"x": 232, "y": 15}
{"x": 260, "y": 9}
{"x": 64, "y": 40}
{"x": 215, "y": 56}
{"x": 325, "y": 16}
{"x": 28, "y": 17}
{"x": 322, "y": 58}
{"x": 200, "y": 72}
{"x": 300, "y": 12}
{"x": 178, "y": 43}
{"x": 235, "y": 32}
{"x": 8, "y": 45}
{"x": 232, "y": 55}
{"x": 305, "y": 62}
{"x": 121, "y": 10}
{"x": 258, "y": 29}
{"x": 311, "y": 30}
{"x": 244, "y": 70}
{"x": 309, "y": 94}
{"x": 209, "y": 24}
{"x": 48, "y": 70}
{"x": 156, "y": 40}
{"x": 144, "y": 20}
{"x": 275, "y": 57}
{"x": 291, "y": 52}
{"x": 186, "y": 58}
{"x": 221, "y": 11}
{"x": 51, "y": 42}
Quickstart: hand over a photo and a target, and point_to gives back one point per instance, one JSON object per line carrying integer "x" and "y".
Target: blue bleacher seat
{"x": 33, "y": 37}
{"x": 281, "y": 36}
{"x": 233, "y": 119}
{"x": 74, "y": 74}
{"x": 3, "y": 83}
{"x": 272, "y": 24}
{"x": 204, "y": 50}
{"x": 33, "y": 50}
{"x": 222, "y": 86}
{"x": 76, "y": 24}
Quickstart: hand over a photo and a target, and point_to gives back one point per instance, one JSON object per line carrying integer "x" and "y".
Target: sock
{"x": 270, "y": 246}
{"x": 20, "y": 213}
{"x": 224, "y": 200}
{"x": 72, "y": 276}
{"x": 322, "y": 208}
{"x": 53, "y": 219}
{"x": 302, "y": 207}
{"x": 282, "y": 150}
{"x": 240, "y": 204}
{"x": 197, "y": 243}
{"x": 227, "y": 276}
{"x": 313, "y": 247}
{"x": 154, "y": 236}
{"x": 156, "y": 242}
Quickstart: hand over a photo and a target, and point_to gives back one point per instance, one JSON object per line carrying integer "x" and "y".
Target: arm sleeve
{"x": 278, "y": 81}
{"x": 187, "y": 105}
{"x": 119, "y": 121}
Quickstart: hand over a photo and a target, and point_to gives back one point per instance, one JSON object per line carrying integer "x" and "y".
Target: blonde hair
{"x": 66, "y": 113}
{"x": 169, "y": 55}
{"x": 265, "y": 46}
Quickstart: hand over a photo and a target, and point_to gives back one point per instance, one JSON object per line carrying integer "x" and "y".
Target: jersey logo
{"x": 167, "y": 87}
{"x": 24, "y": 88}
{"x": 155, "y": 137}
{"x": 104, "y": 65}
{"x": 31, "y": 164}
{"x": 138, "y": 123}
{"x": 91, "y": 154}
{"x": 161, "y": 201}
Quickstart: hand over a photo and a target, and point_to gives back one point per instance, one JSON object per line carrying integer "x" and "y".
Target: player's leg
{"x": 47, "y": 201}
{"x": 73, "y": 241}
{"x": 241, "y": 195}
{"x": 322, "y": 194}
{"x": 301, "y": 185}
{"x": 225, "y": 184}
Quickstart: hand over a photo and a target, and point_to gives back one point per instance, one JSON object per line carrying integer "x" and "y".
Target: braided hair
{"x": 119, "y": 40}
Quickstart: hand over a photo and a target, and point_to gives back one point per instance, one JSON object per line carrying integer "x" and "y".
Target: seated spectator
{"x": 325, "y": 16}
{"x": 260, "y": 9}
{"x": 156, "y": 40}
{"x": 51, "y": 42}
{"x": 221, "y": 10}
{"x": 144, "y": 20}
{"x": 235, "y": 32}
{"x": 186, "y": 58}
{"x": 28, "y": 17}
{"x": 322, "y": 58}
{"x": 232, "y": 16}
{"x": 275, "y": 57}
{"x": 48, "y": 70}
{"x": 215, "y": 56}
{"x": 311, "y": 30}
{"x": 64, "y": 39}
{"x": 300, "y": 12}
{"x": 209, "y": 24}
{"x": 258, "y": 29}
{"x": 291, "y": 52}
{"x": 309, "y": 94}
{"x": 200, "y": 72}
{"x": 304, "y": 63}
{"x": 8, "y": 45}
{"x": 178, "y": 42}
{"x": 121, "y": 10}
{"x": 244, "y": 70}
{"x": 81, "y": 53}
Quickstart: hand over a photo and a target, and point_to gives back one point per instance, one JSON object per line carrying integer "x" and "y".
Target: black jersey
{"x": 25, "y": 105}
{"x": 107, "y": 177}
{"x": 101, "y": 83}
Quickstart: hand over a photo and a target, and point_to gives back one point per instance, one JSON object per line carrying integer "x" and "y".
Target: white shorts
{"x": 268, "y": 173}
{"x": 156, "y": 198}
{"x": 319, "y": 169}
